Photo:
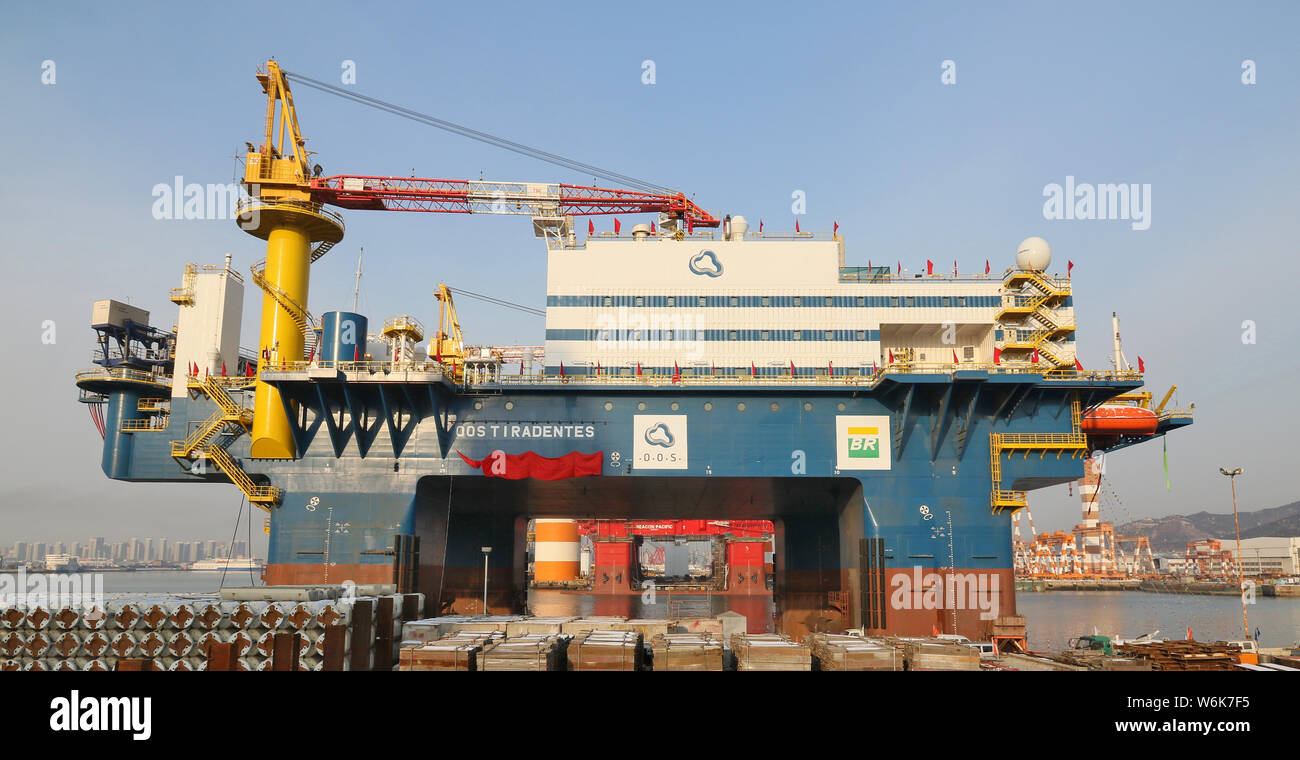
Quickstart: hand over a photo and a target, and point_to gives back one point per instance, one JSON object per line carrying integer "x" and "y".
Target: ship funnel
{"x": 641, "y": 232}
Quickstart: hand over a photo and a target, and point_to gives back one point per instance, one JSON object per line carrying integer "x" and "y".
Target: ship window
{"x": 796, "y": 335}
{"x": 767, "y": 301}
{"x": 893, "y": 300}
{"x": 735, "y": 300}
{"x": 909, "y": 301}
{"x": 636, "y": 335}
{"x": 798, "y": 300}
{"x": 862, "y": 334}
{"x": 830, "y": 301}
{"x": 961, "y": 300}
{"x": 668, "y": 334}
{"x": 862, "y": 301}
{"x": 672, "y": 301}
{"x": 733, "y": 335}
{"x": 704, "y": 301}
{"x": 609, "y": 300}
{"x": 947, "y": 301}
{"x": 640, "y": 301}
{"x": 765, "y": 335}
{"x": 829, "y": 335}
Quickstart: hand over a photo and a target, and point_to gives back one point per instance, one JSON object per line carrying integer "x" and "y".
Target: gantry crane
{"x": 287, "y": 208}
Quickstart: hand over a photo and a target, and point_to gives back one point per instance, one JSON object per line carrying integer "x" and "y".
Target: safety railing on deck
{"x": 122, "y": 373}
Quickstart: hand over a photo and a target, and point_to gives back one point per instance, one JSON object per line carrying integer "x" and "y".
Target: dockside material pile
{"x": 686, "y": 651}
{"x": 456, "y": 651}
{"x": 529, "y": 652}
{"x": 770, "y": 651}
{"x": 605, "y": 650}
{"x": 1183, "y": 655}
{"x": 935, "y": 654}
{"x": 833, "y": 651}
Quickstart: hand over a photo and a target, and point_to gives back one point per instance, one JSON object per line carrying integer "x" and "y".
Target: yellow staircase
{"x": 229, "y": 416}
{"x": 301, "y": 317}
{"x": 1074, "y": 442}
{"x": 1046, "y": 294}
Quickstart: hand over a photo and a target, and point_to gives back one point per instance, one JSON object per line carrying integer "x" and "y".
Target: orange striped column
{"x": 555, "y": 550}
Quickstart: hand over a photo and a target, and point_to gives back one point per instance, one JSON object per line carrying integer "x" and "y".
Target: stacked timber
{"x": 593, "y": 623}
{"x": 605, "y": 650}
{"x": 770, "y": 651}
{"x": 458, "y": 651}
{"x": 1182, "y": 655}
{"x": 839, "y": 652}
{"x": 530, "y": 652}
{"x": 550, "y": 626}
{"x": 687, "y": 651}
{"x": 937, "y": 654}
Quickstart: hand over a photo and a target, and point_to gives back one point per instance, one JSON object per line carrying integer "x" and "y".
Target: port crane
{"x": 288, "y": 208}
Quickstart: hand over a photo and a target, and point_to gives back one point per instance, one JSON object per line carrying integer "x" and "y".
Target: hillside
{"x": 1172, "y": 533}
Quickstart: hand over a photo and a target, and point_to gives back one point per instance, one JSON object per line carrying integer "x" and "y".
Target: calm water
{"x": 1055, "y": 617}
{"x": 175, "y": 581}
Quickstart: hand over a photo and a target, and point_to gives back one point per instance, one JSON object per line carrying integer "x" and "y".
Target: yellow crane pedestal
{"x": 289, "y": 228}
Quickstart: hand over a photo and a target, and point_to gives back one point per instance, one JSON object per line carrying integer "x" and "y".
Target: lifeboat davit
{"x": 1119, "y": 419}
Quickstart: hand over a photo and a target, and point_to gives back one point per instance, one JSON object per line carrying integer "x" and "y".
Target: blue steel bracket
{"x": 441, "y": 425}
{"x": 938, "y": 426}
{"x": 964, "y": 428}
{"x": 904, "y": 427}
{"x": 338, "y": 436}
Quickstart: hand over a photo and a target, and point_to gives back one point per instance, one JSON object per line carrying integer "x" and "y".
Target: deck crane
{"x": 287, "y": 208}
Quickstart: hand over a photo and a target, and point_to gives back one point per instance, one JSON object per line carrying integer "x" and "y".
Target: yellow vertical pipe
{"x": 288, "y": 262}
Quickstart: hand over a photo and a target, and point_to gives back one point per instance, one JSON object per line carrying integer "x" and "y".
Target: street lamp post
{"x": 486, "y": 551}
{"x": 1232, "y": 476}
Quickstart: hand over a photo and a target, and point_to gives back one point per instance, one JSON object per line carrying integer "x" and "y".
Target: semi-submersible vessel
{"x": 888, "y": 423}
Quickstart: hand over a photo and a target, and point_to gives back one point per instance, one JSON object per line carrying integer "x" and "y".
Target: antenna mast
{"x": 356, "y": 293}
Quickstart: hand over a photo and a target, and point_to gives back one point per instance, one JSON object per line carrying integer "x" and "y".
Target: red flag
{"x": 250, "y": 369}
{"x": 677, "y": 373}
{"x": 900, "y": 267}
{"x": 891, "y": 356}
{"x": 836, "y": 229}
{"x": 1142, "y": 366}
{"x": 521, "y": 366}
{"x": 1077, "y": 365}
{"x": 753, "y": 371}
{"x": 715, "y": 369}
{"x": 873, "y": 367}
{"x": 597, "y": 369}
{"x": 796, "y": 225}
{"x": 530, "y": 464}
{"x": 617, "y": 226}
{"x": 311, "y": 356}
{"x": 934, "y": 629}
{"x": 986, "y": 266}
{"x": 929, "y": 267}
{"x": 791, "y": 369}
{"x": 831, "y": 367}
{"x": 1069, "y": 267}
{"x": 760, "y": 225}
{"x": 638, "y": 369}
{"x": 997, "y": 356}
{"x": 652, "y": 228}
{"x": 954, "y": 268}
{"x": 561, "y": 369}
{"x": 954, "y": 357}
{"x": 1034, "y": 358}
{"x": 223, "y": 367}
{"x": 868, "y": 264}
{"x": 1189, "y": 633}
{"x": 356, "y": 354}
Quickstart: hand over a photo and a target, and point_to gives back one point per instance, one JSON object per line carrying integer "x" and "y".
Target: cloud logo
{"x": 659, "y": 435}
{"x": 706, "y": 263}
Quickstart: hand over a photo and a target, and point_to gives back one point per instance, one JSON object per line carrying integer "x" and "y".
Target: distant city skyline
{"x": 134, "y": 549}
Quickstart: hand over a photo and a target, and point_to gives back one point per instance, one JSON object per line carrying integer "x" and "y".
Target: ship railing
{"x": 873, "y": 274}
{"x": 370, "y": 366}
{"x": 122, "y": 373}
{"x": 248, "y": 203}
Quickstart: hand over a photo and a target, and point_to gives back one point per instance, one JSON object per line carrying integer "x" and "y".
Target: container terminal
{"x": 887, "y": 425}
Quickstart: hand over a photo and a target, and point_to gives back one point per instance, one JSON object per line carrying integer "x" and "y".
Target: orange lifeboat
{"x": 1119, "y": 419}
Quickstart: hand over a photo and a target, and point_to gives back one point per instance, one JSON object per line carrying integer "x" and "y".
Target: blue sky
{"x": 751, "y": 102}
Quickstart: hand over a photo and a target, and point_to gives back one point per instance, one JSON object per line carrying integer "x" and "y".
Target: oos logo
{"x": 706, "y": 263}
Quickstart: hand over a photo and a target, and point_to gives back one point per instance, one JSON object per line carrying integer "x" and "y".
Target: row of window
{"x": 667, "y": 336}
{"x": 710, "y": 371}
{"x": 879, "y": 302}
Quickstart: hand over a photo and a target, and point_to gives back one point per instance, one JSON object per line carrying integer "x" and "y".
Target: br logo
{"x": 706, "y": 263}
{"x": 659, "y": 435}
{"x": 864, "y": 442}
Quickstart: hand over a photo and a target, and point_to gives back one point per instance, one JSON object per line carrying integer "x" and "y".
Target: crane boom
{"x": 455, "y": 196}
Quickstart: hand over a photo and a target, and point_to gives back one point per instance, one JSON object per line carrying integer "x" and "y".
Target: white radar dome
{"x": 1034, "y": 254}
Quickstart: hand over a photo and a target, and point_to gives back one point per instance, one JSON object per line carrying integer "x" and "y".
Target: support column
{"x": 288, "y": 262}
